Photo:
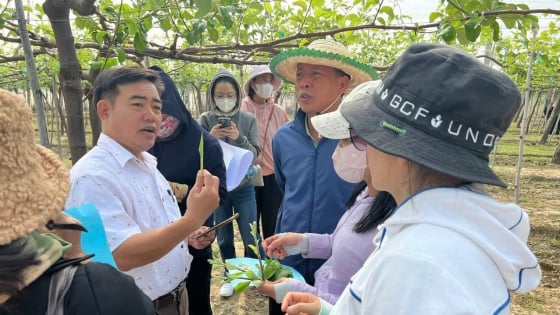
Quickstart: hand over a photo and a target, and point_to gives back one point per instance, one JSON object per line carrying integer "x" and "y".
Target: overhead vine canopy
{"x": 250, "y": 31}
{"x": 70, "y": 36}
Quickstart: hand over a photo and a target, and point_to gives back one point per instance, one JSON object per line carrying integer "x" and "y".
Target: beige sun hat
{"x": 324, "y": 52}
{"x": 34, "y": 182}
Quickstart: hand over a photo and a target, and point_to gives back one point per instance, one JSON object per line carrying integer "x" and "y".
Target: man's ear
{"x": 343, "y": 83}
{"x": 104, "y": 108}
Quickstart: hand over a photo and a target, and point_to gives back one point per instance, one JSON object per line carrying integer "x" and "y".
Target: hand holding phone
{"x": 225, "y": 122}
{"x": 219, "y": 225}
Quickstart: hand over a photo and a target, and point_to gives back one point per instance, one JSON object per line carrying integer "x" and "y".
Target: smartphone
{"x": 225, "y": 122}
{"x": 219, "y": 225}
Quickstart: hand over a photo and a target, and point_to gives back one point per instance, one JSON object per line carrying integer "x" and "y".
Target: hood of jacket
{"x": 173, "y": 153}
{"x": 173, "y": 104}
{"x": 210, "y": 99}
{"x": 500, "y": 230}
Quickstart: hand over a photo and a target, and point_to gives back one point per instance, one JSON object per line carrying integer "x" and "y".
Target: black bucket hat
{"x": 438, "y": 107}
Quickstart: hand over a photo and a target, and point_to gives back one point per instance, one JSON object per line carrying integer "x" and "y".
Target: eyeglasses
{"x": 359, "y": 143}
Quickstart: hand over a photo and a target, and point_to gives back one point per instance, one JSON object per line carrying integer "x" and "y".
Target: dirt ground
{"x": 540, "y": 196}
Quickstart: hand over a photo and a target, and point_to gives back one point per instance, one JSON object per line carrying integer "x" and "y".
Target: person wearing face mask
{"x": 366, "y": 209}
{"x": 260, "y": 88}
{"x": 224, "y": 98}
{"x": 314, "y": 196}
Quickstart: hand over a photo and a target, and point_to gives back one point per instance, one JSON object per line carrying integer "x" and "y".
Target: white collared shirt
{"x": 132, "y": 197}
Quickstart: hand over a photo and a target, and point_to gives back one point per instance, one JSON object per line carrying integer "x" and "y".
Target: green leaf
{"x": 301, "y": 4}
{"x": 190, "y": 37}
{"x": 387, "y": 10}
{"x": 79, "y": 22}
{"x": 267, "y": 7}
{"x": 96, "y": 65}
{"x": 242, "y": 286}
{"x": 99, "y": 37}
{"x": 121, "y": 56}
{"x": 201, "y": 151}
{"x": 283, "y": 273}
{"x": 111, "y": 62}
{"x": 165, "y": 23}
{"x": 434, "y": 16}
{"x": 254, "y": 248}
{"x": 495, "y": 31}
{"x": 204, "y": 6}
{"x": 132, "y": 27}
{"x": 251, "y": 275}
{"x": 508, "y": 19}
{"x": 140, "y": 42}
{"x": 147, "y": 22}
{"x": 462, "y": 37}
{"x": 472, "y": 30}
{"x": 227, "y": 21}
{"x": 213, "y": 34}
{"x": 381, "y": 20}
{"x": 447, "y": 32}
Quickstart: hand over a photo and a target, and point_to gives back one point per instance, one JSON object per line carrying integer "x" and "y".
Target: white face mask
{"x": 349, "y": 163}
{"x": 264, "y": 90}
{"x": 225, "y": 104}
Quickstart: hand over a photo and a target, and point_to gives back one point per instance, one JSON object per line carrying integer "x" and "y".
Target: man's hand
{"x": 203, "y": 241}
{"x": 203, "y": 197}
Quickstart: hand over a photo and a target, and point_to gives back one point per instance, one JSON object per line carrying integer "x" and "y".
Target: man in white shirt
{"x": 146, "y": 233}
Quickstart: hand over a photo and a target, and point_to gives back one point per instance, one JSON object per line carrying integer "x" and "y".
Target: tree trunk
{"x": 93, "y": 118}
{"x": 556, "y": 156}
{"x": 552, "y": 120}
{"x": 58, "y": 12}
{"x": 33, "y": 76}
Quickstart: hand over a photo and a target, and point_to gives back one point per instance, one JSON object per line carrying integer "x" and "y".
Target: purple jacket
{"x": 345, "y": 249}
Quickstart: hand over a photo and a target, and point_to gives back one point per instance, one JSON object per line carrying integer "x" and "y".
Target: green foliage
{"x": 269, "y": 269}
{"x": 151, "y": 25}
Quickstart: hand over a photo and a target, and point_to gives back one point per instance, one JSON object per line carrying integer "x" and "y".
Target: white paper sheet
{"x": 237, "y": 161}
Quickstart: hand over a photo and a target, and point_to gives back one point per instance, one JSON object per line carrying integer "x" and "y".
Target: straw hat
{"x": 255, "y": 72}
{"x": 34, "y": 182}
{"x": 324, "y": 52}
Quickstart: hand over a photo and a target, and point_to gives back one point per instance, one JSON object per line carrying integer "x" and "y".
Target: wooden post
{"x": 33, "y": 76}
{"x": 524, "y": 122}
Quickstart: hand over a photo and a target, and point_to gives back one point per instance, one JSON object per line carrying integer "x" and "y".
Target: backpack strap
{"x": 60, "y": 283}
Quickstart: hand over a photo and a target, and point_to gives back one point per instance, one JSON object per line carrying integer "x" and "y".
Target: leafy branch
{"x": 268, "y": 269}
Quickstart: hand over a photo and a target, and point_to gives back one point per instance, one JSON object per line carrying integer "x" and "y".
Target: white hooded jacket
{"x": 445, "y": 250}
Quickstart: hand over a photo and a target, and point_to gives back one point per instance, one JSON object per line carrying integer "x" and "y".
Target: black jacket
{"x": 96, "y": 289}
{"x": 178, "y": 158}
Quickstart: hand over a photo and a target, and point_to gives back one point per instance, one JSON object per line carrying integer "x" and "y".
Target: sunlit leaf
{"x": 242, "y": 286}
{"x": 434, "y": 16}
